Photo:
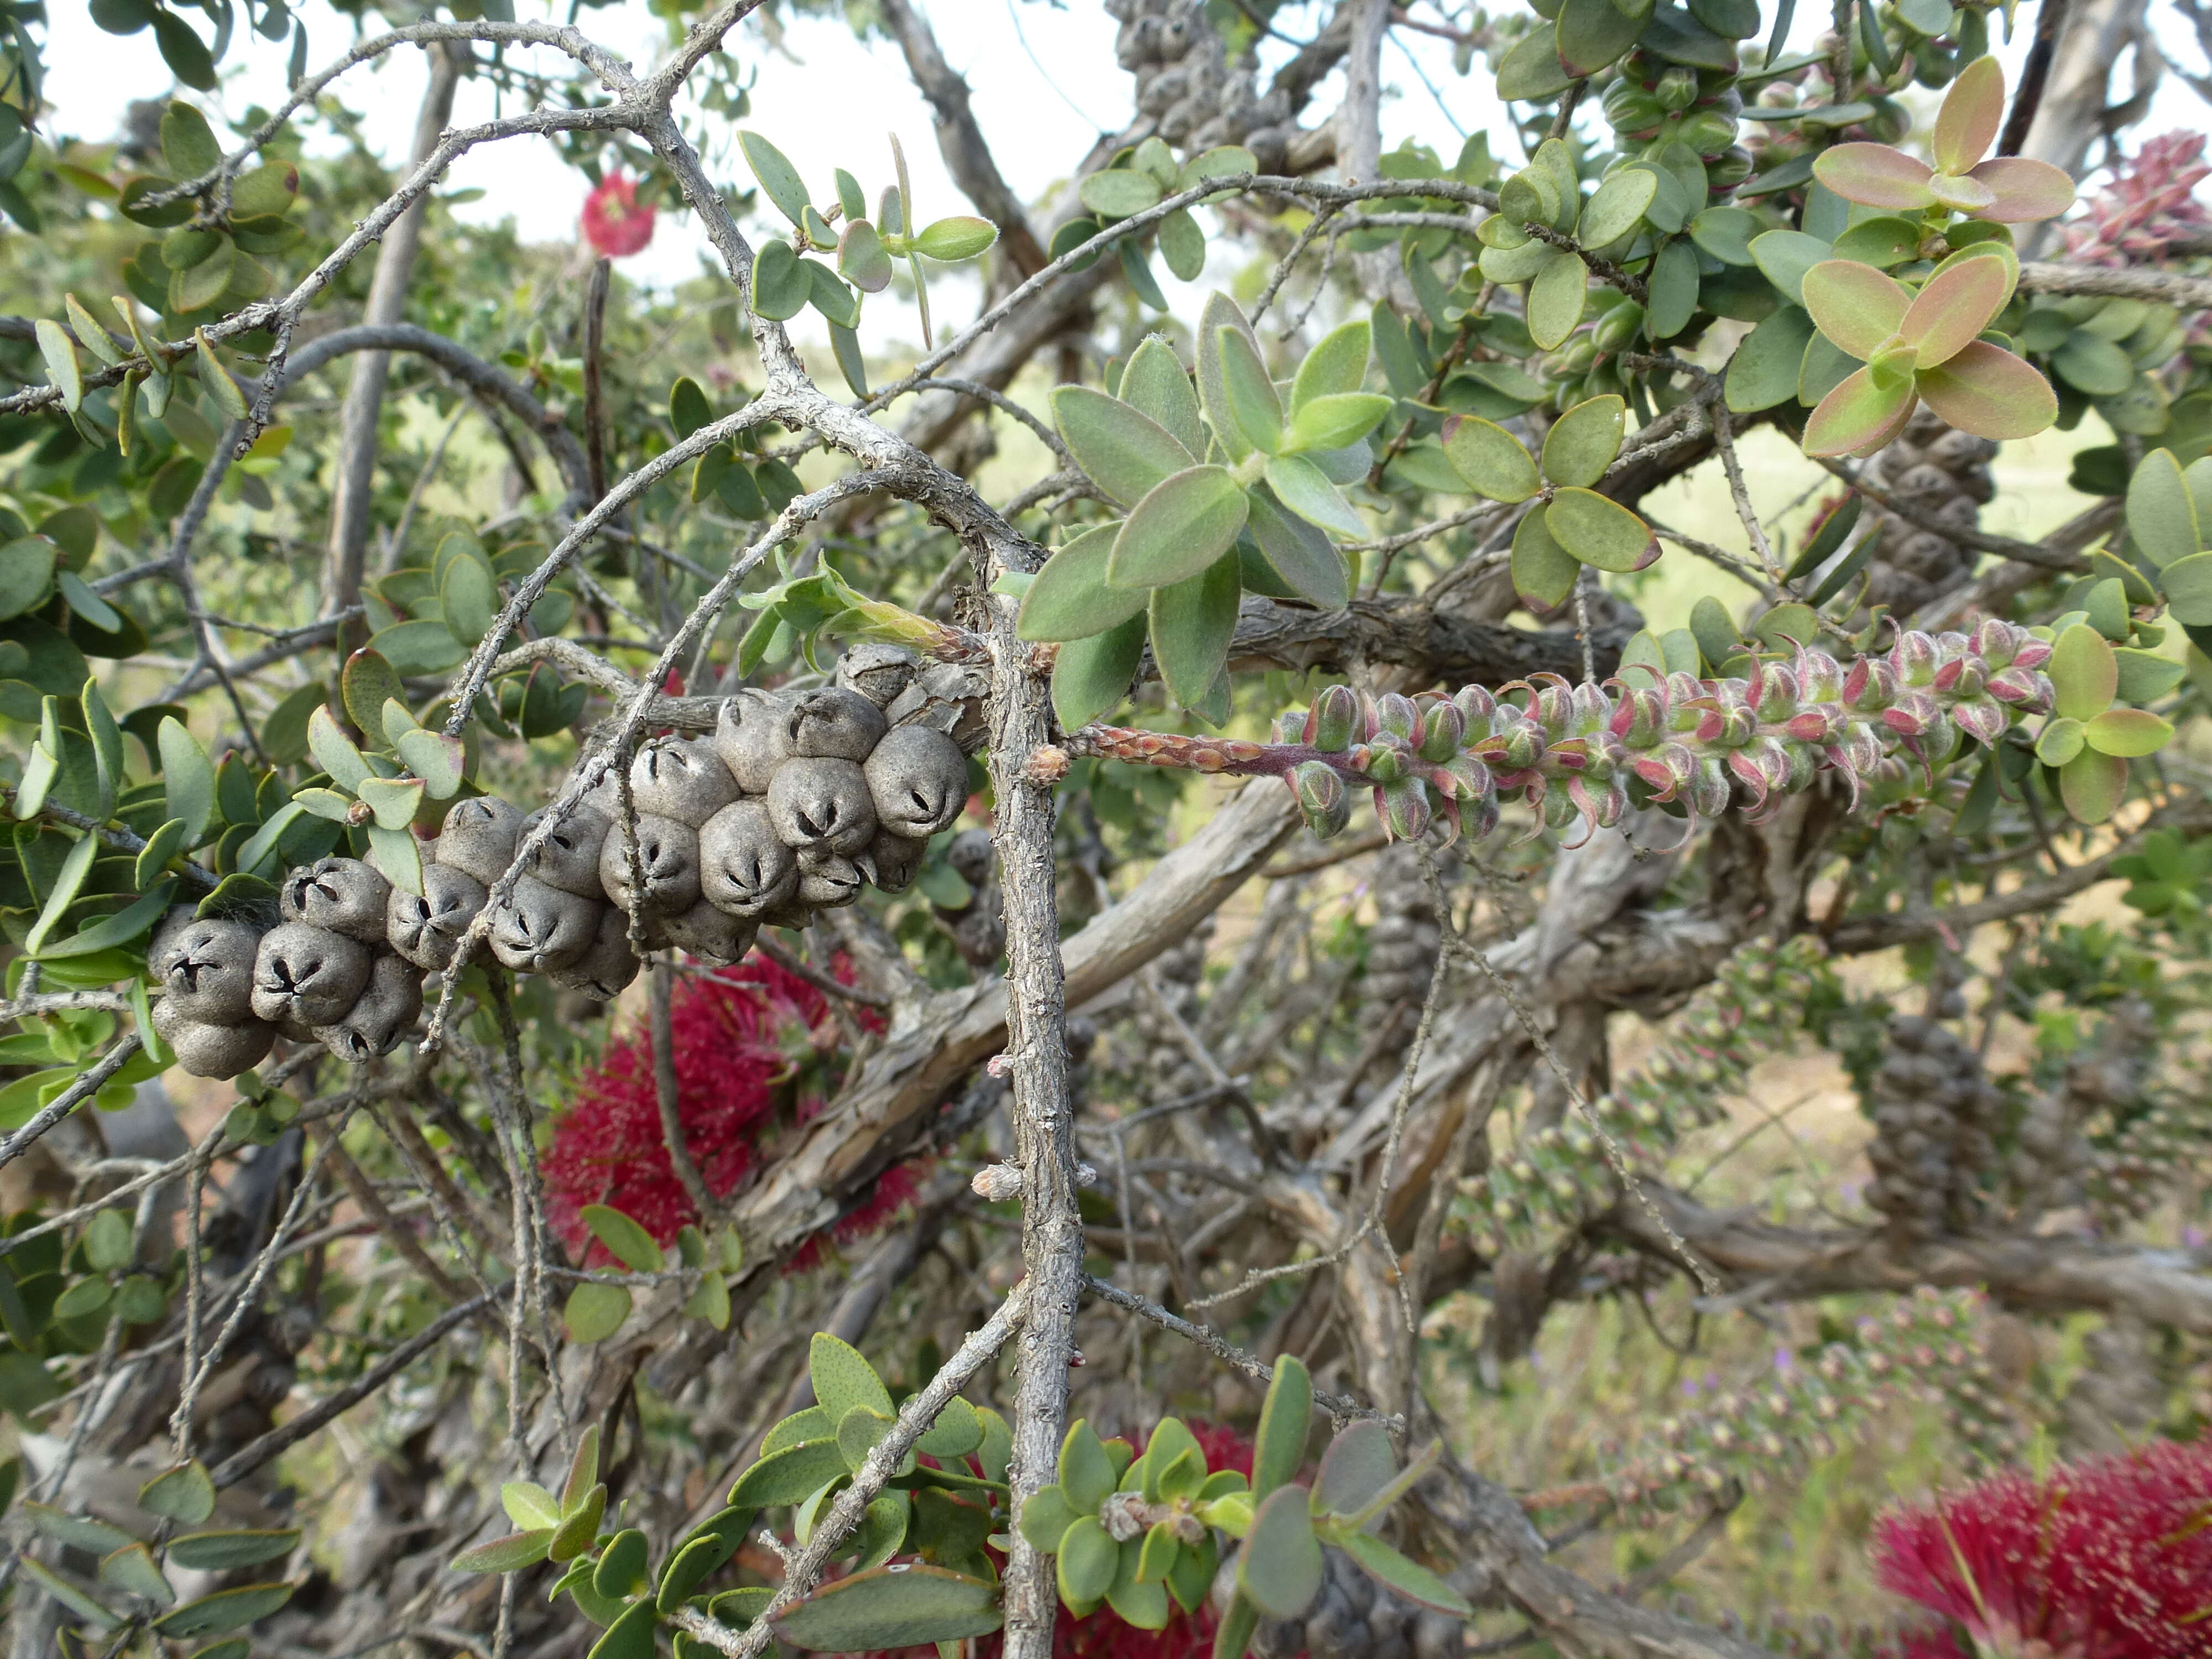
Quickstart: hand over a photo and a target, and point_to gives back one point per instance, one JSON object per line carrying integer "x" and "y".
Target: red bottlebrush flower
{"x": 614, "y": 223}
{"x": 2109, "y": 1559}
{"x": 753, "y": 1044}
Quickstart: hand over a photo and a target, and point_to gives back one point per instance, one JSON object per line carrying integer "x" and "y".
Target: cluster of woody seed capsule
{"x": 1809, "y": 1409}
{"x": 794, "y": 806}
{"x": 1557, "y": 1178}
{"x": 1573, "y": 750}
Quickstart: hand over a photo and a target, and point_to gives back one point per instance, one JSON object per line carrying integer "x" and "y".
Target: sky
{"x": 1044, "y": 76}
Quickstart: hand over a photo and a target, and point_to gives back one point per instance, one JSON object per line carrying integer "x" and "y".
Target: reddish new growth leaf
{"x": 2008, "y": 189}
{"x": 755, "y": 1049}
{"x": 2106, "y": 1559}
{"x": 614, "y": 223}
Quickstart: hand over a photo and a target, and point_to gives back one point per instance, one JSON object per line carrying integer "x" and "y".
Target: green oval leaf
{"x": 630, "y": 1636}
{"x": 26, "y": 573}
{"x": 1583, "y": 442}
{"x": 960, "y": 237}
{"x": 626, "y": 1241}
{"x": 1336, "y": 420}
{"x": 187, "y": 778}
{"x": 1556, "y": 296}
{"x": 229, "y": 1609}
{"x": 1278, "y": 1446}
{"x": 1544, "y": 572}
{"x": 1298, "y": 551}
{"x": 1047, "y": 1517}
{"x": 2085, "y": 676}
{"x": 508, "y": 1554}
{"x": 2092, "y": 785}
{"x": 1192, "y": 623}
{"x": 1784, "y": 256}
{"x": 1087, "y": 1474}
{"x": 1358, "y": 1463}
{"x": 2162, "y": 512}
{"x": 1337, "y": 365}
{"x": 2128, "y": 733}
{"x": 1090, "y": 676}
{"x": 1180, "y": 528}
{"x": 132, "y": 1569}
{"x": 1408, "y": 1578}
{"x": 779, "y": 179}
{"x": 903, "y": 1605}
{"x": 843, "y": 1380}
{"x": 1616, "y": 208}
{"x": 1121, "y": 450}
{"x": 1300, "y": 485}
{"x": 182, "y": 1493}
{"x": 1600, "y": 531}
{"x": 789, "y": 1476}
{"x": 595, "y": 1311}
{"x": 1280, "y": 1569}
{"x": 1253, "y": 404}
{"x": 1087, "y": 1562}
{"x": 782, "y": 283}
{"x": 1118, "y": 192}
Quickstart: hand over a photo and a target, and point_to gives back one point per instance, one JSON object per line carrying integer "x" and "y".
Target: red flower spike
{"x": 614, "y": 224}
{"x": 752, "y": 1045}
{"x": 2109, "y": 1559}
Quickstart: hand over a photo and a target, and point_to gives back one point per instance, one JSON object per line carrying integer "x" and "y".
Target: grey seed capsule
{"x": 877, "y": 672}
{"x": 822, "y": 803}
{"x": 568, "y": 858}
{"x": 788, "y": 913}
{"x": 307, "y": 974}
{"x": 835, "y": 724}
{"x": 609, "y": 965}
{"x": 343, "y": 895}
{"x": 918, "y": 779}
{"x": 426, "y": 928}
{"x": 744, "y": 865}
{"x": 478, "y": 837}
{"x": 218, "y": 1051}
{"x": 894, "y": 861}
{"x": 668, "y": 857}
{"x": 969, "y": 852}
{"x": 751, "y": 737}
{"x": 210, "y": 976}
{"x": 682, "y": 779}
{"x": 380, "y": 1015}
{"x": 829, "y": 880}
{"x": 709, "y": 932}
{"x": 539, "y": 927}
{"x": 161, "y": 949}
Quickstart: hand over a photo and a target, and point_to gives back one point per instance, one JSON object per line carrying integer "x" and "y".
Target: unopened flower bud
{"x": 1406, "y": 809}
{"x": 1396, "y": 716}
{"x": 1443, "y": 726}
{"x": 1913, "y": 657}
{"x": 1334, "y": 721}
{"x": 1321, "y": 797}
